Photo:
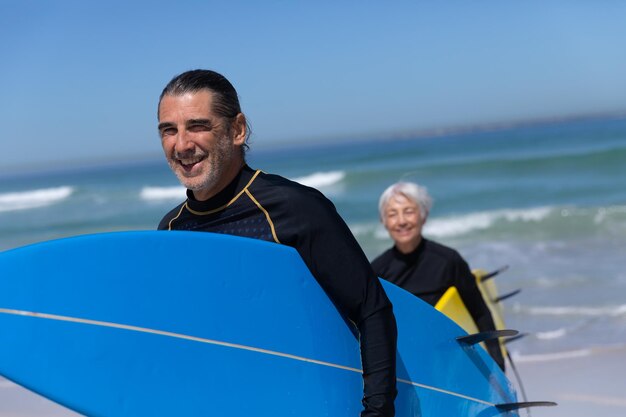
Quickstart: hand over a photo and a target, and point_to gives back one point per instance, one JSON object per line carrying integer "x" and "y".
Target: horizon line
{"x": 406, "y": 134}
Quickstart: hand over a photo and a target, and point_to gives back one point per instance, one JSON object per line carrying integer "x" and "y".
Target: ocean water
{"x": 548, "y": 201}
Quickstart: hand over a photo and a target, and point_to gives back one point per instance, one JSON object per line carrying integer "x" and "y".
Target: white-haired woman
{"x": 423, "y": 267}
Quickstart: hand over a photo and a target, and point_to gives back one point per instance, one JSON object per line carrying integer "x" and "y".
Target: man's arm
{"x": 335, "y": 259}
{"x": 378, "y": 380}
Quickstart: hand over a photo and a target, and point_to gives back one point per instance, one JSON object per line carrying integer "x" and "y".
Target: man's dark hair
{"x": 225, "y": 98}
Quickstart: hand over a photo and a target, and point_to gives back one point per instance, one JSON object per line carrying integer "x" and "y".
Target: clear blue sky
{"x": 79, "y": 80}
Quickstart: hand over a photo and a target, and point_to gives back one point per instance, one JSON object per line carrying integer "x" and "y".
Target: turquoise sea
{"x": 548, "y": 200}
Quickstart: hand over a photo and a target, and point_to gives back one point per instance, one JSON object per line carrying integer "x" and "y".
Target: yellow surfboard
{"x": 490, "y": 294}
{"x": 452, "y": 306}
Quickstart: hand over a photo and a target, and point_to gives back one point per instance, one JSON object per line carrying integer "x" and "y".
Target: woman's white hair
{"x": 412, "y": 191}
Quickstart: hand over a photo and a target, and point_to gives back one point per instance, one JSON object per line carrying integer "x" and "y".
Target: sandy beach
{"x": 16, "y": 401}
{"x": 583, "y": 386}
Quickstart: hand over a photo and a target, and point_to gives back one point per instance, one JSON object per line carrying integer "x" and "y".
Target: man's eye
{"x": 168, "y": 131}
{"x": 199, "y": 128}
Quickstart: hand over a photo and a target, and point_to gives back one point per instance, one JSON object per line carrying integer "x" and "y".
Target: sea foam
{"x": 552, "y": 334}
{"x": 568, "y": 354}
{"x": 321, "y": 179}
{"x": 553, "y": 356}
{"x": 462, "y": 224}
{"x": 576, "y": 311}
{"x": 163, "y": 193}
{"x": 449, "y": 226}
{"x": 24, "y": 200}
{"x": 316, "y": 180}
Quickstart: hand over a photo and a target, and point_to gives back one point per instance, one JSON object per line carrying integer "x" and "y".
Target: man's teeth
{"x": 190, "y": 161}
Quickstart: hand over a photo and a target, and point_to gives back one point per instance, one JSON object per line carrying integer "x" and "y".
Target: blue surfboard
{"x": 187, "y": 323}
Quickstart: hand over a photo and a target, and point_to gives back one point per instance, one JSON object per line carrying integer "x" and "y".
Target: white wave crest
{"x": 603, "y": 400}
{"x": 163, "y": 193}
{"x": 362, "y": 229}
{"x": 544, "y": 357}
{"x": 606, "y": 311}
{"x": 552, "y": 334}
{"x": 452, "y": 226}
{"x": 568, "y": 354}
{"x": 33, "y": 199}
{"x": 606, "y": 213}
{"x": 459, "y": 225}
{"x": 321, "y": 179}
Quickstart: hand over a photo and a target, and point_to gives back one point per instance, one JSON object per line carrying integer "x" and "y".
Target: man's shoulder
{"x": 287, "y": 189}
{"x": 275, "y": 180}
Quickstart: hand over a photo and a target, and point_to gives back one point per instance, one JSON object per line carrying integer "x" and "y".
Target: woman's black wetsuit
{"x": 428, "y": 272}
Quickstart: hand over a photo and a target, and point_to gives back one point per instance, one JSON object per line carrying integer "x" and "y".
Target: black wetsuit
{"x": 428, "y": 272}
{"x": 272, "y": 208}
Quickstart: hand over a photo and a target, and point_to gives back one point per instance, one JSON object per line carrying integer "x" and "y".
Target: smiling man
{"x": 203, "y": 133}
{"x": 423, "y": 267}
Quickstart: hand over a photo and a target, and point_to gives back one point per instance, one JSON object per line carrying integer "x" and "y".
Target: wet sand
{"x": 16, "y": 401}
{"x": 583, "y": 386}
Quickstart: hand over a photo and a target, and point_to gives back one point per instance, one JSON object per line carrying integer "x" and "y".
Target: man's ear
{"x": 239, "y": 129}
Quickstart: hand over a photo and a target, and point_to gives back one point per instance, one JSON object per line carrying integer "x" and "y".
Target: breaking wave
{"x": 321, "y": 179}
{"x": 163, "y": 193}
{"x": 458, "y": 225}
{"x": 575, "y": 311}
{"x": 567, "y": 354}
{"x": 23, "y": 200}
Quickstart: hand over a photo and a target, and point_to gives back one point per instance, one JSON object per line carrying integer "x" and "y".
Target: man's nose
{"x": 183, "y": 142}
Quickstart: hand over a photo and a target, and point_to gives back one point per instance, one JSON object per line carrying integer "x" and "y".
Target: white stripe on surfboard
{"x": 221, "y": 343}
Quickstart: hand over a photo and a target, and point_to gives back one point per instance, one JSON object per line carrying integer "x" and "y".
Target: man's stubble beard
{"x": 217, "y": 164}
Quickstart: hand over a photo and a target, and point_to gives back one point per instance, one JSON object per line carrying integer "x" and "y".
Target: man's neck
{"x": 227, "y": 178}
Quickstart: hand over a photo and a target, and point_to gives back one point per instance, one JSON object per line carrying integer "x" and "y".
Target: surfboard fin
{"x": 493, "y": 273}
{"x": 475, "y": 338}
{"x": 514, "y": 338}
{"x": 504, "y": 407}
{"x": 505, "y": 296}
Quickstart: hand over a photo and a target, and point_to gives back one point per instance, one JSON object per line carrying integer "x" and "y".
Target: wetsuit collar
{"x": 411, "y": 255}
{"x": 225, "y": 196}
